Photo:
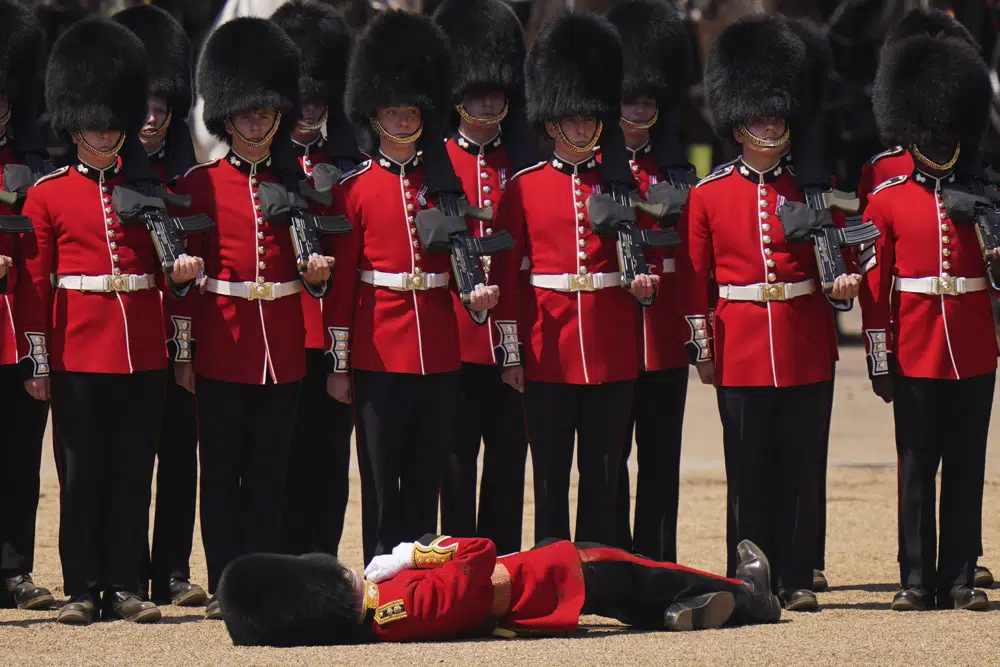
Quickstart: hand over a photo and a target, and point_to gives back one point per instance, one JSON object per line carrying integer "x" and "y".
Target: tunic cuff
{"x": 36, "y": 363}
{"x": 879, "y": 358}
{"x": 180, "y": 346}
{"x": 699, "y": 345}
{"x": 339, "y": 355}
{"x": 508, "y": 353}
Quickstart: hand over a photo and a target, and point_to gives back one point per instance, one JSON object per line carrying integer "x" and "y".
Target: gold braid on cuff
{"x": 764, "y": 143}
{"x": 629, "y": 125}
{"x": 161, "y": 130}
{"x": 102, "y": 154}
{"x": 392, "y": 138}
{"x": 581, "y": 149}
{"x": 312, "y": 127}
{"x": 483, "y": 121}
{"x": 947, "y": 166}
{"x": 267, "y": 137}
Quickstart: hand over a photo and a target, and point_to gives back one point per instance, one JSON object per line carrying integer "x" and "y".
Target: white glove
{"x": 388, "y": 566}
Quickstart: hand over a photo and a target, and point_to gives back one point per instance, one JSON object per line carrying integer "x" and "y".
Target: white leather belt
{"x": 123, "y": 283}
{"x": 766, "y": 291}
{"x": 253, "y": 291}
{"x": 576, "y": 282}
{"x": 669, "y": 265}
{"x": 941, "y": 286}
{"x": 405, "y": 282}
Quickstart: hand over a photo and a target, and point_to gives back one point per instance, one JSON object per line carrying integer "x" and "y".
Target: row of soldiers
{"x": 276, "y": 347}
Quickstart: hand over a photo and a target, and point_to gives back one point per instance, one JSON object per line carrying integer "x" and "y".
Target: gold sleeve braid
{"x": 433, "y": 555}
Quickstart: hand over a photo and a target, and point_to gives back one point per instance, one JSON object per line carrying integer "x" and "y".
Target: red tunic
{"x": 240, "y": 340}
{"x": 484, "y": 171}
{"x": 78, "y": 233}
{"x": 378, "y": 328}
{"x": 729, "y": 227}
{"x": 312, "y": 309}
{"x": 896, "y": 161}
{"x": 10, "y": 246}
{"x": 584, "y": 337}
{"x": 946, "y": 337}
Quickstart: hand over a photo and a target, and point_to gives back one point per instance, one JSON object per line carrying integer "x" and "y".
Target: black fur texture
{"x": 168, "y": 54}
{"x": 96, "y": 78}
{"x": 656, "y": 49}
{"x": 931, "y": 89}
{"x": 487, "y": 47}
{"x": 574, "y": 69}
{"x": 278, "y": 600}
{"x": 401, "y": 59}
{"x": 20, "y": 50}
{"x": 248, "y": 63}
{"x": 324, "y": 42}
{"x": 754, "y": 69}
{"x": 928, "y": 22}
{"x": 817, "y": 74}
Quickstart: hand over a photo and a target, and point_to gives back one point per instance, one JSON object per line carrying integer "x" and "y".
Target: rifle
{"x": 287, "y": 204}
{"x": 980, "y": 205}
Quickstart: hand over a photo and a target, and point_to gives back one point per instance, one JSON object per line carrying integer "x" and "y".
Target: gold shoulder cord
{"x": 947, "y": 166}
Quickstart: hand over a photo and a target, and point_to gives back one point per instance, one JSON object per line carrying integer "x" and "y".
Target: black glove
{"x": 17, "y": 178}
{"x": 606, "y": 214}
{"x": 799, "y": 221}
{"x": 325, "y": 176}
{"x": 671, "y": 198}
{"x": 883, "y": 386}
{"x": 435, "y": 228}
{"x": 277, "y": 202}
{"x": 961, "y": 205}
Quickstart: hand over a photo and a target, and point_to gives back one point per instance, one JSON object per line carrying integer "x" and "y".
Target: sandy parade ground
{"x": 854, "y": 626}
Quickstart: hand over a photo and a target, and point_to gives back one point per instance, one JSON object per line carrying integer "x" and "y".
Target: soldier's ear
{"x": 737, "y": 136}
{"x": 550, "y": 128}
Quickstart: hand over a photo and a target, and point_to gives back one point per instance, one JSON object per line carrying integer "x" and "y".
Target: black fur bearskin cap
{"x": 20, "y": 51}
{"x": 754, "y": 69}
{"x": 324, "y": 42}
{"x": 928, "y": 22}
{"x": 656, "y": 49}
{"x": 815, "y": 85}
{"x": 248, "y": 63}
{"x": 168, "y": 54}
{"x": 96, "y": 79}
{"x": 574, "y": 69}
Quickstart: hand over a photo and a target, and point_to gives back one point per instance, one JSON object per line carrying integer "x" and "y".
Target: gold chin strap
{"x": 581, "y": 149}
{"x": 629, "y": 125}
{"x": 6, "y": 116}
{"x": 267, "y": 137}
{"x": 947, "y": 166}
{"x": 312, "y": 127}
{"x": 393, "y": 139}
{"x": 764, "y": 143}
{"x": 161, "y": 130}
{"x": 483, "y": 121}
{"x": 101, "y": 154}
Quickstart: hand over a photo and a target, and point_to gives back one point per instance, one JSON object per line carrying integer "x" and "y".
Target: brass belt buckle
{"x": 947, "y": 286}
{"x": 118, "y": 283}
{"x": 261, "y": 291}
{"x": 414, "y": 281}
{"x": 582, "y": 282}
{"x": 774, "y": 292}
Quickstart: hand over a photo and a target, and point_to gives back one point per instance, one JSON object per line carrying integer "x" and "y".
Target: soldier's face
{"x": 640, "y": 110}
{"x": 484, "y": 106}
{"x": 4, "y": 108}
{"x": 254, "y": 125}
{"x": 579, "y": 131}
{"x": 312, "y": 112}
{"x": 102, "y": 140}
{"x": 156, "y": 113}
{"x": 399, "y": 121}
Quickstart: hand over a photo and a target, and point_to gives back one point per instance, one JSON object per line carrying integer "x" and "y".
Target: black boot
{"x": 757, "y": 604}
{"x": 21, "y": 592}
{"x": 984, "y": 578}
{"x": 128, "y": 606}
{"x": 963, "y": 597}
{"x": 711, "y": 610}
{"x": 179, "y": 592}
{"x": 80, "y": 610}
{"x": 912, "y": 599}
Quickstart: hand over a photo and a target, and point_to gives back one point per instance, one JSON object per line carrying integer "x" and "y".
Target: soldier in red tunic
{"x": 23, "y": 417}
{"x": 392, "y": 330}
{"x": 771, "y": 353}
{"x": 317, "y": 481}
{"x": 488, "y": 51}
{"x": 441, "y": 588}
{"x": 248, "y": 321}
{"x": 167, "y": 141}
{"x": 931, "y": 346}
{"x": 655, "y": 47}
{"x": 97, "y": 326}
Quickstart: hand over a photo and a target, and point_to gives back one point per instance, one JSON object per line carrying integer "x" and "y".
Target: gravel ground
{"x": 855, "y": 625}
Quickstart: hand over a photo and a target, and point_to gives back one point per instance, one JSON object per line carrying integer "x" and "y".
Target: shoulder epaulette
{"x": 360, "y": 169}
{"x": 895, "y": 180}
{"x": 202, "y": 165}
{"x": 529, "y": 169}
{"x": 725, "y": 170}
{"x": 895, "y": 150}
{"x": 53, "y": 174}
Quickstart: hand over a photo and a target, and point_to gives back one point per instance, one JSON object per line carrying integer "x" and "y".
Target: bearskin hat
{"x": 931, "y": 88}
{"x": 754, "y": 69}
{"x": 819, "y": 65}
{"x": 278, "y": 600}
{"x": 928, "y": 22}
{"x": 401, "y": 59}
{"x": 168, "y": 54}
{"x": 574, "y": 68}
{"x": 96, "y": 79}
{"x": 487, "y": 46}
{"x": 248, "y": 63}
{"x": 656, "y": 49}
{"x": 324, "y": 43}
{"x": 20, "y": 50}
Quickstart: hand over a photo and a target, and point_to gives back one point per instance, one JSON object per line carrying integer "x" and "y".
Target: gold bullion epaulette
{"x": 720, "y": 172}
{"x": 892, "y": 152}
{"x": 53, "y": 174}
{"x": 895, "y": 180}
{"x": 529, "y": 169}
{"x": 202, "y": 165}
{"x": 360, "y": 169}
{"x": 433, "y": 555}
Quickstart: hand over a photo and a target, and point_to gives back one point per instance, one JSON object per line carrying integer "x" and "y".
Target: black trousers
{"x": 405, "y": 430}
{"x": 107, "y": 429}
{"x": 596, "y": 417}
{"x": 24, "y": 421}
{"x": 245, "y": 431}
{"x": 317, "y": 483}
{"x": 941, "y": 423}
{"x": 637, "y": 591}
{"x": 824, "y": 457}
{"x": 176, "y": 487}
{"x": 492, "y": 413}
{"x": 657, "y": 421}
{"x": 773, "y": 438}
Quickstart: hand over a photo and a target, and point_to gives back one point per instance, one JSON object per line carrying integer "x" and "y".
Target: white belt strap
{"x": 405, "y": 282}
{"x": 576, "y": 282}
{"x": 952, "y": 286}
{"x": 669, "y": 265}
{"x": 122, "y": 283}
{"x": 766, "y": 291}
{"x": 253, "y": 291}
